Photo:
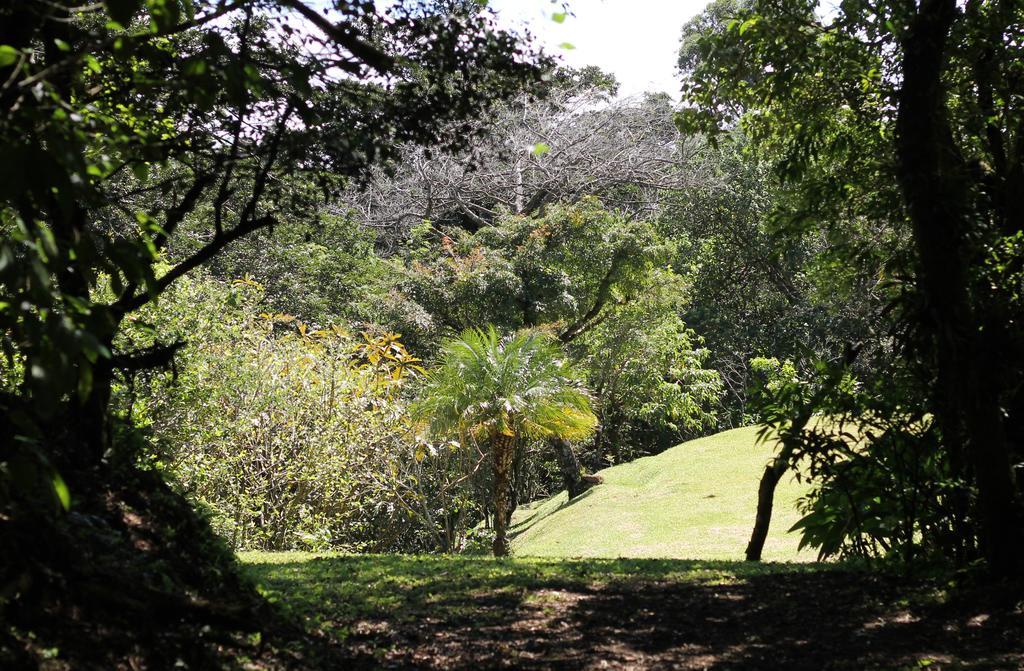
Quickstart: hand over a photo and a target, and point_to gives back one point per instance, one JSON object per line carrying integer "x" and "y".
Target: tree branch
{"x": 604, "y": 292}
{"x": 155, "y": 356}
{"x": 346, "y": 36}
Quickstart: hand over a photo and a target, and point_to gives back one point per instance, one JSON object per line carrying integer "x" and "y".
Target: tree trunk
{"x": 569, "y": 465}
{"x": 93, "y": 414}
{"x": 775, "y": 469}
{"x": 502, "y": 451}
{"x": 935, "y": 184}
{"x": 765, "y": 502}
{"x": 515, "y": 485}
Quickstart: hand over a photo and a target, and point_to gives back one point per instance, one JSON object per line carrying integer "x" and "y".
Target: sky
{"x": 636, "y": 40}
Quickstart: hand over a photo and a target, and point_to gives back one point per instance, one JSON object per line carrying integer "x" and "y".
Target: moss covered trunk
{"x": 503, "y": 450}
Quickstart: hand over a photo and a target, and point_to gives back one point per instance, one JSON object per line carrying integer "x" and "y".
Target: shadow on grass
{"x": 476, "y": 613}
{"x": 535, "y": 516}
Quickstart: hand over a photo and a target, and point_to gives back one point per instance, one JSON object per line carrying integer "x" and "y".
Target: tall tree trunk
{"x": 765, "y": 502}
{"x": 502, "y": 452}
{"x": 776, "y": 468}
{"x": 569, "y": 466}
{"x": 935, "y": 184}
{"x": 515, "y": 485}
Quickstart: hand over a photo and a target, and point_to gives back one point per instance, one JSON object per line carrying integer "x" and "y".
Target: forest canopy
{"x": 371, "y": 277}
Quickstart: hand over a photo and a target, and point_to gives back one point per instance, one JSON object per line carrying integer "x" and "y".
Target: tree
{"x": 248, "y": 94}
{"x": 648, "y": 372}
{"x": 593, "y": 277}
{"x": 126, "y": 125}
{"x": 946, "y": 193}
{"x": 499, "y": 389}
{"x": 320, "y": 267}
{"x": 907, "y": 113}
{"x": 568, "y": 269}
{"x": 761, "y": 286}
{"x": 574, "y": 143}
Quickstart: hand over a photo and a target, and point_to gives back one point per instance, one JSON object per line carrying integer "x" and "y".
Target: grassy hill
{"x": 696, "y": 501}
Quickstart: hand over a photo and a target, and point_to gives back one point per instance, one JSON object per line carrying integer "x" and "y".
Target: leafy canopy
{"x": 567, "y": 268}
{"x": 897, "y": 128}
{"x": 122, "y": 122}
{"x": 488, "y": 385}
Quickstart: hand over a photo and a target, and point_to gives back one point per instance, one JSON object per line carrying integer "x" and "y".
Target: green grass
{"x": 329, "y": 591}
{"x": 694, "y": 501}
{"x": 472, "y": 613}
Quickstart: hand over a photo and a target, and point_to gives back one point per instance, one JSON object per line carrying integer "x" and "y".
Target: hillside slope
{"x": 694, "y": 501}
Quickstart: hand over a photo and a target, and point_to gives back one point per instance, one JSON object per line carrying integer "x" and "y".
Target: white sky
{"x": 636, "y": 40}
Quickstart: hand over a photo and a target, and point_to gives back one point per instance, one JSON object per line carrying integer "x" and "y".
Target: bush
{"x": 293, "y": 437}
{"x": 647, "y": 372}
{"x": 880, "y": 485}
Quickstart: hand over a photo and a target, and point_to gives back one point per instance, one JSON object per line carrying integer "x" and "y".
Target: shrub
{"x": 293, "y": 436}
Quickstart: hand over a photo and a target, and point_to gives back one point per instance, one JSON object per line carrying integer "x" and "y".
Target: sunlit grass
{"x": 327, "y": 591}
{"x": 694, "y": 501}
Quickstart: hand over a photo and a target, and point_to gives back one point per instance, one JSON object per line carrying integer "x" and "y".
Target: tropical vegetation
{"x": 368, "y": 279}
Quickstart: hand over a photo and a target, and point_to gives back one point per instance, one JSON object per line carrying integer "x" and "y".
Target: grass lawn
{"x": 679, "y": 601}
{"x": 694, "y": 501}
{"x": 475, "y": 613}
{"x": 404, "y": 585}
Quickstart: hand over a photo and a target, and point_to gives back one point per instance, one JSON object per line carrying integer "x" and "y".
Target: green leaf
{"x": 559, "y": 17}
{"x": 141, "y": 171}
{"x": 540, "y": 149}
{"x": 92, "y": 63}
{"x": 196, "y": 67}
{"x": 568, "y": 46}
{"x": 60, "y": 488}
{"x": 164, "y": 13}
{"x": 8, "y": 55}
{"x": 122, "y": 11}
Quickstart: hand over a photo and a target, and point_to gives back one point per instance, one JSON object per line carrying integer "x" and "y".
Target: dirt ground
{"x": 834, "y": 619}
{"x": 399, "y": 612}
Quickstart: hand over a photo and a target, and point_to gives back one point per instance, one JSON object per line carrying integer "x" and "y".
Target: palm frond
{"x": 487, "y": 384}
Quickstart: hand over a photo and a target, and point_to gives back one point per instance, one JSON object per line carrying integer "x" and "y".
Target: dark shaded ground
{"x": 461, "y": 613}
{"x": 133, "y": 579}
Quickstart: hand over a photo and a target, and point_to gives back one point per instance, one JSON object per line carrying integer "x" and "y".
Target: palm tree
{"x": 498, "y": 389}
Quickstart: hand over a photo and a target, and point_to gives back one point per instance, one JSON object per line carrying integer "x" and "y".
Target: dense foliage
{"x": 759, "y": 288}
{"x": 366, "y": 276}
{"x": 141, "y": 140}
{"x": 896, "y": 127}
{"x": 600, "y": 281}
{"x": 499, "y": 390}
{"x": 285, "y": 432}
{"x": 256, "y": 121}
